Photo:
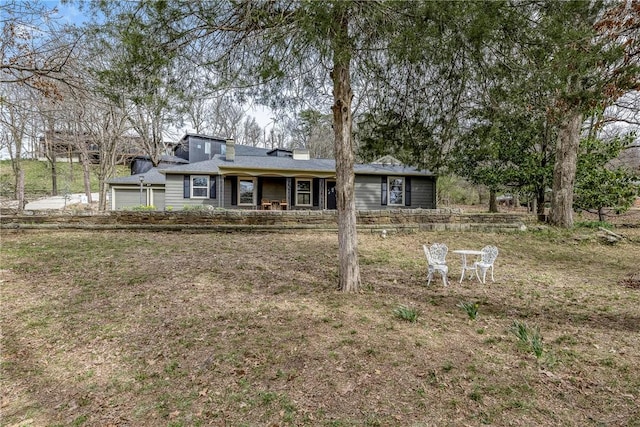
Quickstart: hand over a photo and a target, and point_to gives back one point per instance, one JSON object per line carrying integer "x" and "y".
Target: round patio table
{"x": 464, "y": 253}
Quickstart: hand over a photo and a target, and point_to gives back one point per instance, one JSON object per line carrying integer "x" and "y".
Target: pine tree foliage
{"x": 601, "y": 187}
{"x": 284, "y": 53}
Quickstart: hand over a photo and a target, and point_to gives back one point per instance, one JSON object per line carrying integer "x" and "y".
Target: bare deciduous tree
{"x": 35, "y": 47}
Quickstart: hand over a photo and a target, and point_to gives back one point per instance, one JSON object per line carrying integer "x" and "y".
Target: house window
{"x": 199, "y": 187}
{"x": 303, "y": 192}
{"x": 396, "y": 190}
{"x": 246, "y": 191}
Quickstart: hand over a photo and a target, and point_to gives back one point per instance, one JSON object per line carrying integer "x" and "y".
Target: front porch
{"x": 276, "y": 193}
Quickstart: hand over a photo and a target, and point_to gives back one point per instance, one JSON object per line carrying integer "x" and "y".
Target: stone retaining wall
{"x": 239, "y": 220}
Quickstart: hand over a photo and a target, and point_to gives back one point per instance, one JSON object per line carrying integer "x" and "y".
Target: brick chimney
{"x": 230, "y": 155}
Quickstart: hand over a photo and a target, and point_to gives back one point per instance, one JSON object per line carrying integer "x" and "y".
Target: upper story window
{"x": 396, "y": 190}
{"x": 303, "y": 192}
{"x": 199, "y": 186}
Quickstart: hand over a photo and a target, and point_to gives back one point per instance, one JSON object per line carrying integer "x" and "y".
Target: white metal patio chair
{"x": 488, "y": 257}
{"x": 436, "y": 261}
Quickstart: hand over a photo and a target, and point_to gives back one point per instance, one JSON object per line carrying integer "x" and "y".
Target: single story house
{"x": 275, "y": 179}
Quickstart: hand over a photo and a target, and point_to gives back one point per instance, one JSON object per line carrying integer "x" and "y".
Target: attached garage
{"x": 125, "y": 198}
{"x": 125, "y": 191}
{"x": 156, "y": 198}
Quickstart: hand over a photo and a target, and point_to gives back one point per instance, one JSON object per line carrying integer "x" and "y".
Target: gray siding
{"x": 274, "y": 188}
{"x": 174, "y": 194}
{"x": 368, "y": 193}
{"x": 227, "y": 194}
{"x": 157, "y": 198}
{"x": 423, "y": 192}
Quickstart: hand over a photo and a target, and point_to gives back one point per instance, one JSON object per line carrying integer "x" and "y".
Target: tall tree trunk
{"x": 20, "y": 189}
{"x": 54, "y": 174}
{"x": 493, "y": 205}
{"x": 103, "y": 190}
{"x": 564, "y": 170}
{"x": 540, "y": 204}
{"x": 349, "y": 268}
{"x": 18, "y": 173}
{"x": 82, "y": 147}
{"x": 51, "y": 156}
{"x": 86, "y": 176}
{"x": 16, "y": 132}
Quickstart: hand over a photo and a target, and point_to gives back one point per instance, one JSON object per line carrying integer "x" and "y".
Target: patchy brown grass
{"x": 169, "y": 329}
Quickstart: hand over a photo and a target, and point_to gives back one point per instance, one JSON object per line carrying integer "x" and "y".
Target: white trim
{"x": 151, "y": 195}
{"x": 192, "y": 187}
{"x": 255, "y": 188}
{"x": 389, "y": 200}
{"x": 310, "y": 192}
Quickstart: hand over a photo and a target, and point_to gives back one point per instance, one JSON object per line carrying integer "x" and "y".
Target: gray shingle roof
{"x": 287, "y": 163}
{"x": 165, "y": 158}
{"x": 244, "y": 150}
{"x": 266, "y": 163}
{"x": 152, "y": 176}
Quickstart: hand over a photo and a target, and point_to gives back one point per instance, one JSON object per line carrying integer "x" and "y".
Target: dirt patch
{"x": 632, "y": 281}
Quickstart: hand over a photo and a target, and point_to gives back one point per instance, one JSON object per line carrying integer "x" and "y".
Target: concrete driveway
{"x": 59, "y": 202}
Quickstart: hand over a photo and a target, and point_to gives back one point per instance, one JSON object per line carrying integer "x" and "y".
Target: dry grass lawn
{"x": 170, "y": 329}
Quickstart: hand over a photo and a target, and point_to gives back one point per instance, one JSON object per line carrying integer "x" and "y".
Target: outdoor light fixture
{"x": 142, "y": 203}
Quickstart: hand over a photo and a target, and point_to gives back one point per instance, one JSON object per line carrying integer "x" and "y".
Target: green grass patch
{"x": 38, "y": 182}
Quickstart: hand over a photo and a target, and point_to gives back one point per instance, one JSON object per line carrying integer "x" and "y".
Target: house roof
{"x": 245, "y": 150}
{"x": 252, "y": 165}
{"x": 202, "y": 136}
{"x": 152, "y": 177}
{"x": 242, "y": 150}
{"x": 277, "y": 151}
{"x": 286, "y": 166}
{"x": 163, "y": 158}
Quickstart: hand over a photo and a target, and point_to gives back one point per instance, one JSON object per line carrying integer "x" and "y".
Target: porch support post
{"x": 288, "y": 191}
{"x": 221, "y": 192}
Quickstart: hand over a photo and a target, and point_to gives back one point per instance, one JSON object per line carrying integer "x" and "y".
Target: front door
{"x": 332, "y": 201}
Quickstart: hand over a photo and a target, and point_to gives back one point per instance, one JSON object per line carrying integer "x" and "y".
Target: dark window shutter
{"x": 383, "y": 191}
{"x": 293, "y": 191}
{"x": 259, "y": 189}
{"x": 316, "y": 191}
{"x": 234, "y": 190}
{"x": 186, "y": 186}
{"x": 212, "y": 187}
{"x": 407, "y": 191}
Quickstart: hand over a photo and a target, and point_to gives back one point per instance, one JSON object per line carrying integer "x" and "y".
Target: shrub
{"x": 406, "y": 313}
{"x": 528, "y": 337}
{"x": 195, "y": 208}
{"x": 143, "y": 208}
{"x": 471, "y": 308}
